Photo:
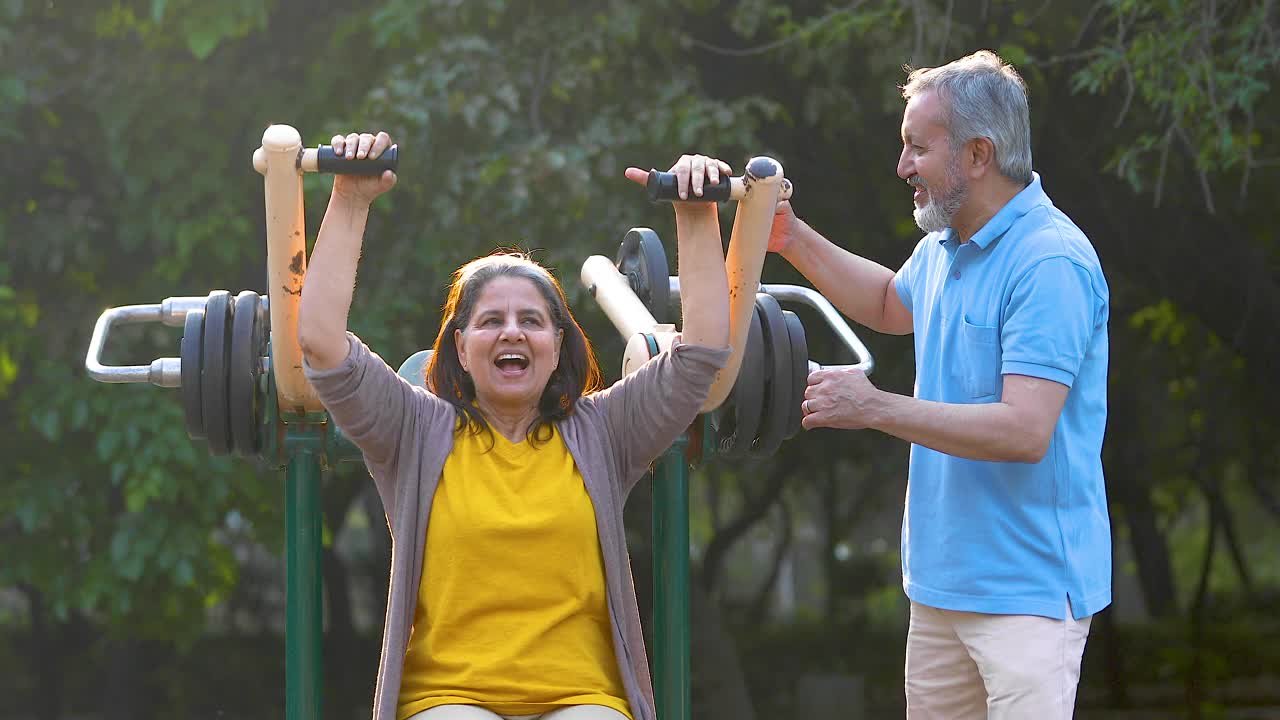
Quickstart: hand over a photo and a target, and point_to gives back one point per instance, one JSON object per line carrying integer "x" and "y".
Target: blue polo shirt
{"x": 1025, "y": 296}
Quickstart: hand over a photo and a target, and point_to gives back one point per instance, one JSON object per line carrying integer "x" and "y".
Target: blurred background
{"x": 142, "y": 578}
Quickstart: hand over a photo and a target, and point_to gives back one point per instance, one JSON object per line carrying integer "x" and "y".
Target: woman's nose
{"x": 512, "y": 331}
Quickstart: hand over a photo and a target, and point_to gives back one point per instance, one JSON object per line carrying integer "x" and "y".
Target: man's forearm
{"x": 855, "y": 285}
{"x": 992, "y": 431}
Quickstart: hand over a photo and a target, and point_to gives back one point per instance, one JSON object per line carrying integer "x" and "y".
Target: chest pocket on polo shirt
{"x": 979, "y": 361}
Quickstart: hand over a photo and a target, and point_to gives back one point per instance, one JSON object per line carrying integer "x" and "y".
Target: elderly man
{"x": 1006, "y": 547}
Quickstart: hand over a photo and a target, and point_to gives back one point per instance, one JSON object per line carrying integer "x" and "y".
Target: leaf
{"x": 203, "y": 39}
{"x": 1015, "y": 55}
{"x": 13, "y": 90}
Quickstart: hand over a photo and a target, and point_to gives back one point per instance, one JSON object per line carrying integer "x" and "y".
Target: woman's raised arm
{"x": 704, "y": 287}
{"x": 331, "y": 272}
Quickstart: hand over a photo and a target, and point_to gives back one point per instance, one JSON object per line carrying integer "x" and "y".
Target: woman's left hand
{"x": 357, "y": 188}
{"x": 691, "y": 171}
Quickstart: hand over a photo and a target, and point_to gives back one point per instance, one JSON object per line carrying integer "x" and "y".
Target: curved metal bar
{"x": 835, "y": 321}
{"x": 173, "y": 310}
{"x": 164, "y": 372}
{"x": 614, "y": 295}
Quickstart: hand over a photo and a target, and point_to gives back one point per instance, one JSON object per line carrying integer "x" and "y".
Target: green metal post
{"x": 304, "y": 611}
{"x": 671, "y": 583}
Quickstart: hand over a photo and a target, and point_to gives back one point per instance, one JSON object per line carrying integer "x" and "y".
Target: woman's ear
{"x": 462, "y": 355}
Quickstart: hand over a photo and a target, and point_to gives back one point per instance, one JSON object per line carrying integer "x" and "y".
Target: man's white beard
{"x": 932, "y": 217}
{"x": 937, "y": 215}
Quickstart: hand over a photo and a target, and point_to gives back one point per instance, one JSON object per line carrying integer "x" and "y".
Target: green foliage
{"x": 111, "y": 512}
{"x": 515, "y": 133}
{"x": 132, "y": 124}
{"x": 1193, "y": 75}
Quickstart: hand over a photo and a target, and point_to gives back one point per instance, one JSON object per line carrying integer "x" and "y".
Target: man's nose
{"x": 905, "y": 167}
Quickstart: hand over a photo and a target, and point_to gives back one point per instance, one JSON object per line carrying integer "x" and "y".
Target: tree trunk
{"x": 45, "y": 649}
{"x": 753, "y": 510}
{"x": 719, "y": 688}
{"x": 1129, "y": 487}
{"x": 123, "y": 696}
{"x": 1113, "y": 652}
{"x": 341, "y": 491}
{"x": 379, "y": 572}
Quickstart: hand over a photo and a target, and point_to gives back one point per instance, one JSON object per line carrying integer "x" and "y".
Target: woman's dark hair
{"x": 575, "y": 376}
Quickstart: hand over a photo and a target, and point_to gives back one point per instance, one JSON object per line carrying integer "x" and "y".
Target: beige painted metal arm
{"x": 610, "y": 288}
{"x": 277, "y": 160}
{"x": 748, "y": 244}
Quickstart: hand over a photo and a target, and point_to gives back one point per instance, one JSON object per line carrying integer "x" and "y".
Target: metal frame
{"x": 279, "y": 162}
{"x": 834, "y": 320}
{"x": 297, "y": 436}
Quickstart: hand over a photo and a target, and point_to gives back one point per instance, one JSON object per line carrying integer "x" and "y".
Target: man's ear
{"x": 980, "y": 155}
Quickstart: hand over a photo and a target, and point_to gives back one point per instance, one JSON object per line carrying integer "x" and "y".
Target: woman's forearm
{"x": 704, "y": 287}
{"x": 330, "y": 282}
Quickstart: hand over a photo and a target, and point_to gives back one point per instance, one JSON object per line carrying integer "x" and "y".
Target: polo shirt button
{"x": 956, "y": 275}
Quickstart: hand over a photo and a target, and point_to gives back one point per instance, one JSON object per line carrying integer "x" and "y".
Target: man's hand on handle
{"x": 840, "y": 398}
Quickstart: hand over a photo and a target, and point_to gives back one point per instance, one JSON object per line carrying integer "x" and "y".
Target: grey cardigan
{"x": 405, "y": 434}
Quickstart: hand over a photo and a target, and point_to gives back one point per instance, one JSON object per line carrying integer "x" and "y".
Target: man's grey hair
{"x": 982, "y": 96}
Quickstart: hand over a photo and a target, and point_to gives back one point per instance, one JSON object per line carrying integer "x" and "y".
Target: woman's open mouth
{"x": 512, "y": 363}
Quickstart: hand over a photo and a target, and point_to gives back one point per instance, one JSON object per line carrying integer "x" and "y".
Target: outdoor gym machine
{"x": 243, "y": 388}
{"x": 755, "y": 401}
{"x": 243, "y": 391}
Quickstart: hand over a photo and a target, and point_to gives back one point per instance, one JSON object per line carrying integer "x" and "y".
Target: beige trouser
{"x": 969, "y": 666}
{"x": 471, "y": 712}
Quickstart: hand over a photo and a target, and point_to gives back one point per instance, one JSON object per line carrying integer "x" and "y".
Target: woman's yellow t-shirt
{"x": 512, "y": 610}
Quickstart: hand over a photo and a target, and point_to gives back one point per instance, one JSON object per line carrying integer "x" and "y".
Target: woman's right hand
{"x": 362, "y": 188}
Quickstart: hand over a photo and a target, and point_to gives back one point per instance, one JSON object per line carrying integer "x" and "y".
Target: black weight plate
{"x": 799, "y": 370}
{"x": 642, "y": 260}
{"x": 243, "y": 370}
{"x": 742, "y": 408}
{"x": 261, "y": 335}
{"x": 777, "y": 364}
{"x": 191, "y": 356}
{"x": 213, "y": 376}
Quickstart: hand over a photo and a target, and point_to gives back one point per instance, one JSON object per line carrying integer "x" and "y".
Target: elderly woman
{"x": 503, "y": 483}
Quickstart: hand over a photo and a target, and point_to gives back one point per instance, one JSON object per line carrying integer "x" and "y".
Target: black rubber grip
{"x": 662, "y": 187}
{"x": 327, "y": 161}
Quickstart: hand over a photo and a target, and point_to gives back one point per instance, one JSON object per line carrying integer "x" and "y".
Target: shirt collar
{"x": 1021, "y": 204}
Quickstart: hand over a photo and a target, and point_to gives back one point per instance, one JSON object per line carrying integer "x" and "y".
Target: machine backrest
{"x": 414, "y": 368}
